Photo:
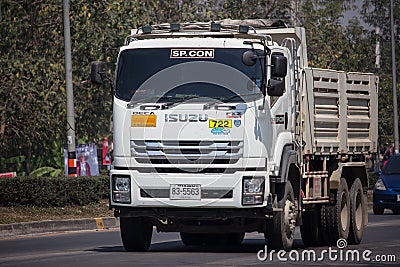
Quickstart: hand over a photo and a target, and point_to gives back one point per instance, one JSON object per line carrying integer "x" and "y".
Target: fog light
{"x": 121, "y": 189}
{"x": 253, "y": 190}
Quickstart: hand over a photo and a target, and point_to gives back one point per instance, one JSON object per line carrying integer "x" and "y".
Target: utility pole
{"x": 70, "y": 93}
{"x": 394, "y": 84}
{"x": 378, "y": 48}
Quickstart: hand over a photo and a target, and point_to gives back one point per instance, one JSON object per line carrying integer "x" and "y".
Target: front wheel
{"x": 136, "y": 233}
{"x": 280, "y": 230}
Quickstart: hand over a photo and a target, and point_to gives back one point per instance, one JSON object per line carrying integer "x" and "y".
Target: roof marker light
{"x": 175, "y": 27}
{"x": 215, "y": 26}
{"x": 147, "y": 29}
{"x": 243, "y": 29}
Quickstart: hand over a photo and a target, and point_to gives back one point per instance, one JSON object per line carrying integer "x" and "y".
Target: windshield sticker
{"x": 192, "y": 53}
{"x": 220, "y": 131}
{"x": 144, "y": 121}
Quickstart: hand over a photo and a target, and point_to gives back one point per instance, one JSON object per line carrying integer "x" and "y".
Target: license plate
{"x": 220, "y": 123}
{"x": 185, "y": 191}
{"x": 398, "y": 197}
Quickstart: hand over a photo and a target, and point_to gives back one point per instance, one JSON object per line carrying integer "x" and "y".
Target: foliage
{"x": 53, "y": 191}
{"x": 46, "y": 171}
{"x": 32, "y": 84}
{"x": 377, "y": 14}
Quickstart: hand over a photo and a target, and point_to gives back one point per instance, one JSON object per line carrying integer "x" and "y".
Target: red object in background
{"x": 8, "y": 174}
{"x": 106, "y": 160}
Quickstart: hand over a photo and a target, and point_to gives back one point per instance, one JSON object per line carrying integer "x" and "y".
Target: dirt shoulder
{"x": 18, "y": 214}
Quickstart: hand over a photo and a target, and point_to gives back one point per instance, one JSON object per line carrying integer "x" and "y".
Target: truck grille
{"x": 186, "y": 152}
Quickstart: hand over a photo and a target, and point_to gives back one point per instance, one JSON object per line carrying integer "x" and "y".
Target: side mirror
{"x": 278, "y": 65}
{"x": 97, "y": 69}
{"x": 275, "y": 87}
{"x": 249, "y": 58}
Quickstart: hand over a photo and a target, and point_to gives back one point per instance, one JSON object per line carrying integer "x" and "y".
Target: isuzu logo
{"x": 186, "y": 117}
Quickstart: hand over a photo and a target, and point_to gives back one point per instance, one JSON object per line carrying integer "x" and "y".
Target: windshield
{"x": 159, "y": 74}
{"x": 392, "y": 166}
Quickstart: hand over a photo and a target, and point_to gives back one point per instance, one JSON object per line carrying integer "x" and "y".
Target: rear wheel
{"x": 280, "y": 230}
{"x": 357, "y": 210}
{"x": 311, "y": 231}
{"x": 136, "y": 233}
{"x": 335, "y": 219}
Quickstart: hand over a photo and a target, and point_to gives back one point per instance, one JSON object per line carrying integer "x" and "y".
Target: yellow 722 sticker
{"x": 219, "y": 123}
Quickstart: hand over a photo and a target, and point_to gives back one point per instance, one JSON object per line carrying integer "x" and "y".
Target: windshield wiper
{"x": 226, "y": 99}
{"x": 170, "y": 100}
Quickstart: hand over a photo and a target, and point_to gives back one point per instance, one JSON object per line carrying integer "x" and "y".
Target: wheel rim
{"x": 359, "y": 212}
{"x": 290, "y": 222}
{"x": 344, "y": 212}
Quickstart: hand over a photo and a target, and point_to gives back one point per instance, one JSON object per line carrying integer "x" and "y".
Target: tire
{"x": 378, "y": 210}
{"x": 192, "y": 239}
{"x": 311, "y": 231}
{"x": 335, "y": 219}
{"x": 136, "y": 233}
{"x": 280, "y": 230}
{"x": 358, "y": 208}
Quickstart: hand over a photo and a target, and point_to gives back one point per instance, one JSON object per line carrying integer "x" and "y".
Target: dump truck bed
{"x": 339, "y": 112}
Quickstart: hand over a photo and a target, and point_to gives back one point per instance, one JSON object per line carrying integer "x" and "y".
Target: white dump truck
{"x": 222, "y": 129}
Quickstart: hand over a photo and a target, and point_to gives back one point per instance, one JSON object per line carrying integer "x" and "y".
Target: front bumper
{"x": 151, "y": 190}
{"x": 386, "y": 199}
{"x": 193, "y": 213}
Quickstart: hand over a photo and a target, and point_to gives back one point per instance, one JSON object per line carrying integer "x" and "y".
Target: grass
{"x": 28, "y": 214}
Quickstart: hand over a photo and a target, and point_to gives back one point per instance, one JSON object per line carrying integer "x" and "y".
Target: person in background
{"x": 83, "y": 167}
{"x": 388, "y": 153}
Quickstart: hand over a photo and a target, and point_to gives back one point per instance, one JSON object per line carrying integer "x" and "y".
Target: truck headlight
{"x": 380, "y": 185}
{"x": 253, "y": 190}
{"x": 121, "y": 189}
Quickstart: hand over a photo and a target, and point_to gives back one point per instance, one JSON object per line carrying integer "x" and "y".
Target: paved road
{"x": 103, "y": 248}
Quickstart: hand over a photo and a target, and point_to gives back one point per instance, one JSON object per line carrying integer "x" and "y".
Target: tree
{"x": 32, "y": 86}
{"x": 377, "y": 14}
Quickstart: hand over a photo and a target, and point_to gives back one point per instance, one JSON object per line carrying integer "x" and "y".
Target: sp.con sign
{"x": 191, "y": 53}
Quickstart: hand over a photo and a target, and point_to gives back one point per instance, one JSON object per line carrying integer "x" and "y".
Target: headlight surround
{"x": 379, "y": 185}
{"x": 253, "y": 190}
{"x": 121, "y": 188}
{"x": 132, "y": 148}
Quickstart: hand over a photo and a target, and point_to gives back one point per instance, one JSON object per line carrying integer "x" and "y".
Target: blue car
{"x": 387, "y": 188}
